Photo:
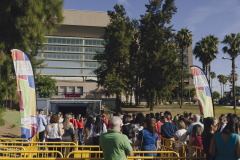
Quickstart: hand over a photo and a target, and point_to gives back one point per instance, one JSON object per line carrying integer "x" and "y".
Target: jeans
{"x": 41, "y": 136}
{"x": 80, "y": 136}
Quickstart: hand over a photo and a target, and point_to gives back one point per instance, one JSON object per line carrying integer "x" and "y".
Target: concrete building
{"x": 69, "y": 53}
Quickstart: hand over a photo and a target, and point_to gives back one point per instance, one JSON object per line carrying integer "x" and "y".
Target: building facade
{"x": 69, "y": 53}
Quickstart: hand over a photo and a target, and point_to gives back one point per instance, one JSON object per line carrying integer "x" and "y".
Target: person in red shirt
{"x": 80, "y": 127}
{"x": 102, "y": 114}
{"x": 73, "y": 121}
{"x": 158, "y": 125}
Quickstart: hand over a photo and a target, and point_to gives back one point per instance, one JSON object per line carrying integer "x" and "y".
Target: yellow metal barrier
{"x": 178, "y": 147}
{"x": 13, "y": 140}
{"x": 28, "y": 145}
{"x": 94, "y": 155}
{"x": 12, "y": 148}
{"x": 29, "y": 155}
{"x": 64, "y": 149}
{"x": 193, "y": 151}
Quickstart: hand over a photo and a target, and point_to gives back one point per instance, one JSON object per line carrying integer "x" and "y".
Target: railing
{"x": 13, "y": 140}
{"x": 29, "y": 154}
{"x": 178, "y": 147}
{"x": 193, "y": 151}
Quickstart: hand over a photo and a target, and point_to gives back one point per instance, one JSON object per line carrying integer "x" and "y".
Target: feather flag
{"x": 203, "y": 92}
{"x": 26, "y": 93}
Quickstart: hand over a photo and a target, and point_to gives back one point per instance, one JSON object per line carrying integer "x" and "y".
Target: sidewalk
{"x": 230, "y": 107}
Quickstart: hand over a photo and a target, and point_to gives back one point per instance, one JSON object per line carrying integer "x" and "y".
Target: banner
{"x": 26, "y": 93}
{"x": 203, "y": 92}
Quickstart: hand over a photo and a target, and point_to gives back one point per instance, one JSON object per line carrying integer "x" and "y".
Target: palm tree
{"x": 213, "y": 75}
{"x": 220, "y": 80}
{"x": 206, "y": 50}
{"x": 232, "y": 49}
{"x": 183, "y": 40}
{"x": 224, "y": 81}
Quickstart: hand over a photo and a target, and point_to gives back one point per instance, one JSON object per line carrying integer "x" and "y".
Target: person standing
{"x": 148, "y": 138}
{"x": 41, "y": 124}
{"x": 97, "y": 129}
{"x": 168, "y": 130}
{"x": 196, "y": 119}
{"x": 48, "y": 118}
{"x": 114, "y": 144}
{"x": 106, "y": 120}
{"x": 80, "y": 130}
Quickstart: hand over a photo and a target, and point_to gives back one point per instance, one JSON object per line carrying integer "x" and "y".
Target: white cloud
{"x": 124, "y": 2}
{"x": 126, "y": 5}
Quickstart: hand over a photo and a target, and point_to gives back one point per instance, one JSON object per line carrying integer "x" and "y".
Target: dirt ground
{"x": 12, "y": 127}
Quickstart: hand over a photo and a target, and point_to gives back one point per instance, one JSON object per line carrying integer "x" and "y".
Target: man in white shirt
{"x": 41, "y": 123}
{"x": 223, "y": 122}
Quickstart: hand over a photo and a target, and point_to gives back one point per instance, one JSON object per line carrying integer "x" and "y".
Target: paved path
{"x": 231, "y": 107}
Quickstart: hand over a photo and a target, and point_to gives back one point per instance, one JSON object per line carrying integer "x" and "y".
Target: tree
{"x": 230, "y": 78}
{"x": 213, "y": 75}
{"x": 183, "y": 41}
{"x": 23, "y": 25}
{"x": 159, "y": 70}
{"x": 206, "y": 51}
{"x": 220, "y": 80}
{"x": 224, "y": 81}
{"x": 113, "y": 73}
{"x": 232, "y": 49}
{"x": 216, "y": 95}
{"x": 45, "y": 84}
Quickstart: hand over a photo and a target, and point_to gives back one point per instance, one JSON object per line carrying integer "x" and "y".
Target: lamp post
{"x": 233, "y": 70}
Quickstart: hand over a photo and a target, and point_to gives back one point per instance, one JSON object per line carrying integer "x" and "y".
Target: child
{"x": 196, "y": 139}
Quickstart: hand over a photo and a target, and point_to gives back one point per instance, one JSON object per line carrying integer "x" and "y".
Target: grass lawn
{"x": 12, "y": 118}
{"x": 174, "y": 109}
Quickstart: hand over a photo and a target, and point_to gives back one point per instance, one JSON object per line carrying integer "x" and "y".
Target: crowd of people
{"x": 123, "y": 133}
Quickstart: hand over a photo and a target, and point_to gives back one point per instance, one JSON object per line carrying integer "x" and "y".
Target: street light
{"x": 233, "y": 70}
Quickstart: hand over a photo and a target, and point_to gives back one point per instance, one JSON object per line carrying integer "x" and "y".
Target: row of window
{"x": 63, "y": 71}
{"x": 71, "y": 64}
{"x": 180, "y": 51}
{"x": 74, "y": 41}
{"x": 73, "y": 49}
{"x": 65, "y": 56}
{"x": 78, "y": 90}
{"x": 184, "y": 59}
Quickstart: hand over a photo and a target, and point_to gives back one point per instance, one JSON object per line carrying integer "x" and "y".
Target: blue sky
{"x": 202, "y": 17}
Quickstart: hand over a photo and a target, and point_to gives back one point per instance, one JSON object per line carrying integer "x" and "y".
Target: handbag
{"x": 214, "y": 148}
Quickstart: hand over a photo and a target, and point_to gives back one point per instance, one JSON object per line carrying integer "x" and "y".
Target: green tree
{"x": 183, "y": 41}
{"x": 159, "y": 70}
{"x": 23, "y": 25}
{"x": 216, "y": 95}
{"x": 230, "y": 78}
{"x": 212, "y": 75}
{"x": 113, "y": 73}
{"x": 220, "y": 80}
{"x": 45, "y": 84}
{"x": 205, "y": 50}
{"x": 232, "y": 48}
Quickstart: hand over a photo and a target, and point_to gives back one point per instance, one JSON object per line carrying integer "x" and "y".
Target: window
{"x": 62, "y": 71}
{"x": 63, "y": 90}
{"x": 80, "y": 90}
{"x": 89, "y": 72}
{"x": 71, "y": 89}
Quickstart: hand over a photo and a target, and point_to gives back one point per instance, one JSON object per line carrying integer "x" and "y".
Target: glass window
{"x": 38, "y": 71}
{"x": 81, "y": 41}
{"x": 90, "y": 49}
{"x": 64, "y": 41}
{"x": 71, "y": 89}
{"x": 63, "y": 56}
{"x": 73, "y": 41}
{"x": 59, "y": 48}
{"x": 54, "y": 40}
{"x": 54, "y": 56}
{"x": 68, "y": 41}
{"x": 68, "y": 56}
{"x": 86, "y": 42}
{"x": 89, "y": 72}
{"x": 68, "y": 49}
{"x": 63, "y": 90}
{"x": 54, "y": 48}
{"x": 94, "y": 42}
{"x": 63, "y": 49}
{"x": 49, "y": 40}
{"x": 59, "y": 56}
{"x": 77, "y": 56}
{"x": 86, "y": 49}
{"x": 72, "y": 56}
{"x": 79, "y": 90}
{"x": 49, "y": 48}
{"x": 76, "y": 49}
{"x": 90, "y": 42}
{"x": 98, "y": 42}
{"x": 186, "y": 51}
{"x": 77, "y": 41}
{"x": 72, "y": 49}
{"x": 59, "y": 40}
